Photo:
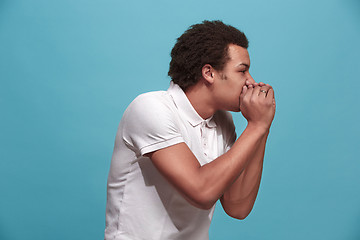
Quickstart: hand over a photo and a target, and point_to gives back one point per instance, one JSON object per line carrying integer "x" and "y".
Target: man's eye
{"x": 243, "y": 71}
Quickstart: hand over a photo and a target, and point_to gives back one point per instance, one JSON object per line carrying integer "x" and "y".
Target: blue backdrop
{"x": 68, "y": 69}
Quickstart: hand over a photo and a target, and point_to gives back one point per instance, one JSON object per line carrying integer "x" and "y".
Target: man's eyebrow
{"x": 246, "y": 65}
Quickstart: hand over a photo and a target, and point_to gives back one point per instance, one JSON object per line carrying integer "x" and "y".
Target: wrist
{"x": 258, "y": 127}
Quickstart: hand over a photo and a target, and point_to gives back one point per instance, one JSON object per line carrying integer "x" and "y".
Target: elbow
{"x": 203, "y": 206}
{"x": 203, "y": 203}
{"x": 239, "y": 216}
{"x": 200, "y": 194}
{"x": 236, "y": 211}
{"x": 202, "y": 200}
{"x": 206, "y": 205}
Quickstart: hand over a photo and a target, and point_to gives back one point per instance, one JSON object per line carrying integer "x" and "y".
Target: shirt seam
{"x": 163, "y": 141}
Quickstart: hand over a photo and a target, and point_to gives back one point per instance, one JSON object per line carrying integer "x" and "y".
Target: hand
{"x": 257, "y": 104}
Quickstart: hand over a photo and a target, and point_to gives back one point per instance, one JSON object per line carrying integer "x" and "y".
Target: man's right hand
{"x": 257, "y": 104}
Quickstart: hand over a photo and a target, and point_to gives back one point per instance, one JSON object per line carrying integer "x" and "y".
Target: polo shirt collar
{"x": 185, "y": 107}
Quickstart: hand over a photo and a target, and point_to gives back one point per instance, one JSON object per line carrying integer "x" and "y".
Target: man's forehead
{"x": 239, "y": 56}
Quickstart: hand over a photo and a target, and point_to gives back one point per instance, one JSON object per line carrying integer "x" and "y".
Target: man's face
{"x": 229, "y": 81}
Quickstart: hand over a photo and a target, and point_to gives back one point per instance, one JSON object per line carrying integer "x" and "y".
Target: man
{"x": 176, "y": 152}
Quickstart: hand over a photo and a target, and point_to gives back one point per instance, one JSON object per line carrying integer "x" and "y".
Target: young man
{"x": 176, "y": 151}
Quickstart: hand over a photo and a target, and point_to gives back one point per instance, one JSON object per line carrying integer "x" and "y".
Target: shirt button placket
{"x": 203, "y": 138}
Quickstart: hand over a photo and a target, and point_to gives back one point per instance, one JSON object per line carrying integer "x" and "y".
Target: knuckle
{"x": 269, "y": 103}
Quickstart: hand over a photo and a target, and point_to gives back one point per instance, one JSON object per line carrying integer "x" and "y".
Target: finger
{"x": 243, "y": 91}
{"x": 271, "y": 94}
{"x": 247, "y": 82}
{"x": 249, "y": 92}
{"x": 263, "y": 91}
{"x": 257, "y": 90}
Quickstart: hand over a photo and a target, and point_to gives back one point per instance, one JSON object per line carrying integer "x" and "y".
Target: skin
{"x": 235, "y": 176}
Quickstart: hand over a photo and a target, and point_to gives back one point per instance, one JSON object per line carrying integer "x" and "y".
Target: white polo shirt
{"x": 141, "y": 203}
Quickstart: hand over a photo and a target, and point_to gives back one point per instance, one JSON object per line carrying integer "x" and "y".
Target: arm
{"x": 204, "y": 185}
{"x": 239, "y": 199}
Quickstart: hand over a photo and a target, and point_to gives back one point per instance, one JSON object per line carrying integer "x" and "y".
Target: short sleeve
{"x": 149, "y": 123}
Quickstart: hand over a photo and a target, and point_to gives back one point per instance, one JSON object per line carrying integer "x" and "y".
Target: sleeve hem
{"x": 160, "y": 145}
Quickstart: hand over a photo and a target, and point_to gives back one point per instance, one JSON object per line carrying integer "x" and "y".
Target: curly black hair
{"x": 200, "y": 44}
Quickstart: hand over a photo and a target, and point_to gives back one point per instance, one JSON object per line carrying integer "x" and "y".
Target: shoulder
{"x": 149, "y": 124}
{"x": 148, "y": 103}
{"x": 158, "y": 97}
{"x": 152, "y": 110}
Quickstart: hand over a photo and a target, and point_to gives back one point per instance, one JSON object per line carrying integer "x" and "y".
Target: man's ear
{"x": 208, "y": 73}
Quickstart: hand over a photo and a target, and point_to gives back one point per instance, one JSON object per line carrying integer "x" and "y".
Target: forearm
{"x": 222, "y": 173}
{"x": 239, "y": 199}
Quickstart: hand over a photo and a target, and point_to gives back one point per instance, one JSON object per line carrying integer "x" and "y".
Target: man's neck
{"x": 200, "y": 98}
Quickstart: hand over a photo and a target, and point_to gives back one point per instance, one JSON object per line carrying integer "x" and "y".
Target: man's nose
{"x": 250, "y": 79}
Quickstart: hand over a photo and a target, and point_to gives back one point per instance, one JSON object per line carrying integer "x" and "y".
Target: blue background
{"x": 68, "y": 69}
